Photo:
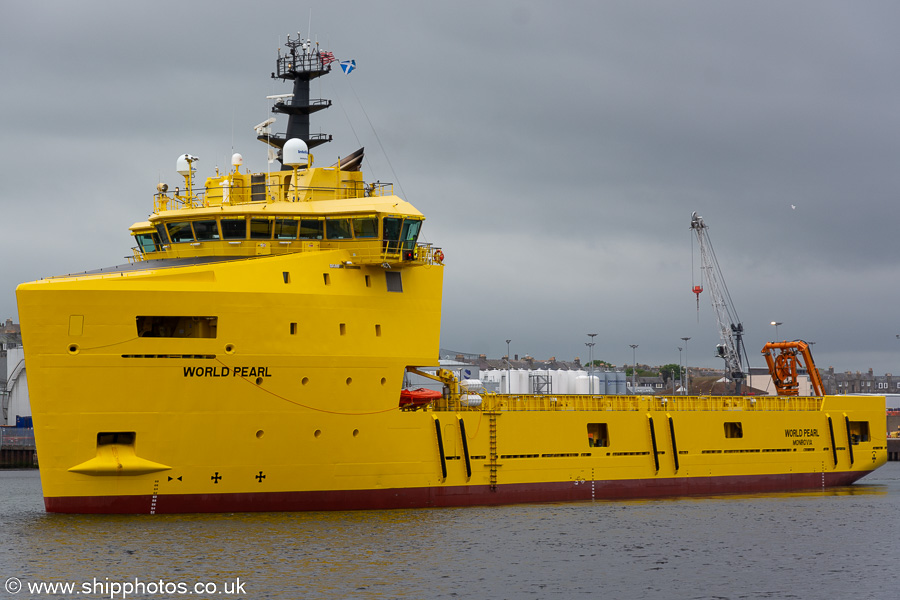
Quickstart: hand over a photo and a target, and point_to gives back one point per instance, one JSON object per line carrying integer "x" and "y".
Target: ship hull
{"x": 434, "y": 497}
{"x": 286, "y": 396}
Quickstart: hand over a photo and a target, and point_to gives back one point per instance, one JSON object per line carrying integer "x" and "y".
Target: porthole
{"x": 318, "y": 433}
{"x": 260, "y": 433}
{"x": 304, "y": 381}
{"x": 229, "y": 348}
{"x": 349, "y": 380}
{"x": 73, "y": 349}
{"x": 259, "y": 380}
{"x": 383, "y": 380}
{"x": 355, "y": 432}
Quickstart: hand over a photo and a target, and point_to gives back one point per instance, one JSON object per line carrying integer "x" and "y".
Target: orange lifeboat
{"x": 413, "y": 399}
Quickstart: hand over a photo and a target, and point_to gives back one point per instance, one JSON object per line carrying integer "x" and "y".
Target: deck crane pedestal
{"x": 731, "y": 330}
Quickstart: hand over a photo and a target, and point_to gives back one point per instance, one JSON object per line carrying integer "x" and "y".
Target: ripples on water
{"x": 841, "y": 543}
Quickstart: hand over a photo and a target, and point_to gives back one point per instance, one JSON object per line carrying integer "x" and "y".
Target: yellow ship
{"x": 251, "y": 357}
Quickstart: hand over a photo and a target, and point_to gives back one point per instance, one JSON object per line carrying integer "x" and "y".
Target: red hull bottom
{"x": 474, "y": 495}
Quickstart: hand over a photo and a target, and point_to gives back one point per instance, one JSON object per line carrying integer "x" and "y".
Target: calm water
{"x": 842, "y": 543}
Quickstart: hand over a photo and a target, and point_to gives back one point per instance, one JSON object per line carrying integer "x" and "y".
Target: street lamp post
{"x": 590, "y": 346}
{"x": 687, "y": 371}
{"x": 776, "y": 324}
{"x": 634, "y": 367}
{"x": 680, "y": 372}
{"x": 508, "y": 366}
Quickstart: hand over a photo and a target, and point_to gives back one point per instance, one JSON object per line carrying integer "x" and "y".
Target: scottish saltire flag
{"x": 327, "y": 57}
{"x": 348, "y": 65}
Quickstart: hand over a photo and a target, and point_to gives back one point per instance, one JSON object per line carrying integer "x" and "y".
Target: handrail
{"x": 556, "y": 402}
{"x": 252, "y": 193}
{"x": 361, "y": 252}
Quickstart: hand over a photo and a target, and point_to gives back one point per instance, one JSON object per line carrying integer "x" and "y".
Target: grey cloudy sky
{"x": 558, "y": 151}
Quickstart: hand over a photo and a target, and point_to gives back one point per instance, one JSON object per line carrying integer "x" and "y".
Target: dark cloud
{"x": 558, "y": 151}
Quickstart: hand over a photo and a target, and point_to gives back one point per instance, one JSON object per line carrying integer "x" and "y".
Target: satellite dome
{"x": 183, "y": 164}
{"x": 296, "y": 153}
{"x": 236, "y": 160}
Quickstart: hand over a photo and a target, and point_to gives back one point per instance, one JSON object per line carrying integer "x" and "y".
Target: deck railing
{"x": 555, "y": 402}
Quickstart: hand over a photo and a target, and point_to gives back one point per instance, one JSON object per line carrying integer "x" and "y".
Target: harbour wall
{"x": 17, "y": 448}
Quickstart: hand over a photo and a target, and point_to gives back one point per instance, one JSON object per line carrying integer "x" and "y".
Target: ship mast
{"x": 301, "y": 63}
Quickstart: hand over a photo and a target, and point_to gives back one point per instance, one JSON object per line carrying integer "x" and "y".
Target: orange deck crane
{"x": 783, "y": 368}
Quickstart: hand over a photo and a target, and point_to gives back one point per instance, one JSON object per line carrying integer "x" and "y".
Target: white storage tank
{"x": 621, "y": 383}
{"x": 582, "y": 385}
{"x": 523, "y": 382}
{"x": 601, "y": 378}
{"x": 560, "y": 381}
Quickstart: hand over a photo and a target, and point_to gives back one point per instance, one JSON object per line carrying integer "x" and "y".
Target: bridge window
{"x": 392, "y": 227}
{"x": 365, "y": 228}
{"x": 338, "y": 229}
{"x": 260, "y": 229}
{"x": 206, "y": 230}
{"x": 310, "y": 229}
{"x": 234, "y": 229}
{"x": 180, "y": 232}
{"x": 161, "y": 232}
{"x": 148, "y": 242}
{"x": 286, "y": 229}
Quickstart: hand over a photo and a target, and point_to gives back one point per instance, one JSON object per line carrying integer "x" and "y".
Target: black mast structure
{"x": 300, "y": 63}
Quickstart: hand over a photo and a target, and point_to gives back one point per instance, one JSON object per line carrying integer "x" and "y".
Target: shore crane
{"x": 731, "y": 330}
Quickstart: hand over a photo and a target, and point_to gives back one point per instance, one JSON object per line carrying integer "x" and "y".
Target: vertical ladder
{"x": 492, "y": 447}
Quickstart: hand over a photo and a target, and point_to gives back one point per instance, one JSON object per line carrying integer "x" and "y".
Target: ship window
{"x": 410, "y": 232}
{"x": 338, "y": 229}
{"x": 859, "y": 431}
{"x": 147, "y": 242}
{"x": 206, "y": 230}
{"x": 161, "y": 232}
{"x": 285, "y": 229}
{"x": 180, "y": 232}
{"x": 310, "y": 229}
{"x": 394, "y": 283}
{"x": 392, "y": 234}
{"x": 260, "y": 229}
{"x": 234, "y": 229}
{"x": 598, "y": 435}
{"x": 365, "y": 228}
{"x": 734, "y": 430}
{"x": 177, "y": 327}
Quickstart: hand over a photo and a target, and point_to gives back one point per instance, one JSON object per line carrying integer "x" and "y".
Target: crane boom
{"x": 730, "y": 328}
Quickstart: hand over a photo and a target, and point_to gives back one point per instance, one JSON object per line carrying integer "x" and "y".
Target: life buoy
{"x": 439, "y": 256}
